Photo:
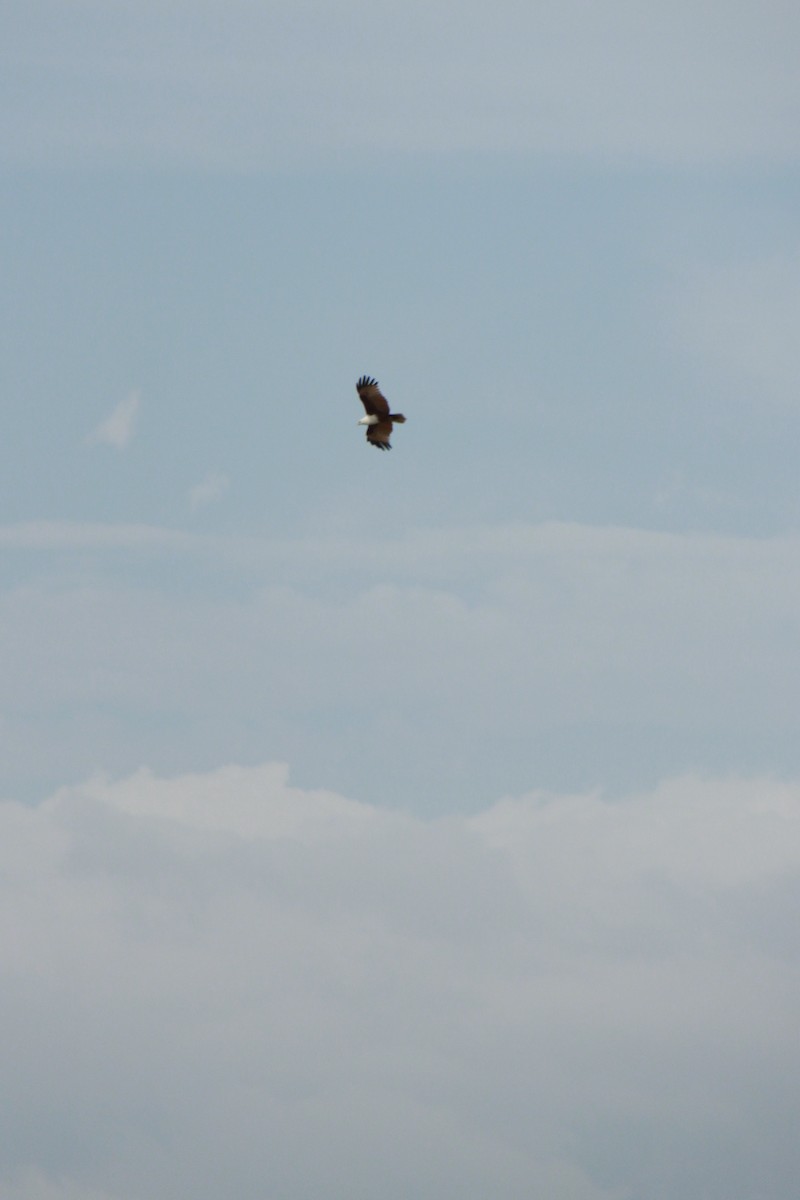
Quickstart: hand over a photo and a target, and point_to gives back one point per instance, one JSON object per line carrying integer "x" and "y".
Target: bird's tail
{"x": 398, "y": 418}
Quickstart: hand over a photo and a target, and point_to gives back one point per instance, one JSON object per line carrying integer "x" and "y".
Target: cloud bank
{"x": 223, "y": 983}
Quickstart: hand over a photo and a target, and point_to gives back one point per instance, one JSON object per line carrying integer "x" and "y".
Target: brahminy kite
{"x": 378, "y": 420}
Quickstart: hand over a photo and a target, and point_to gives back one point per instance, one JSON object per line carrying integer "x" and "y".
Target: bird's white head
{"x": 370, "y": 420}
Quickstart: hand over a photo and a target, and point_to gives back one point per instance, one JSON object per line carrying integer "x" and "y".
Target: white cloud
{"x": 223, "y": 982}
{"x": 118, "y": 428}
{"x": 211, "y": 488}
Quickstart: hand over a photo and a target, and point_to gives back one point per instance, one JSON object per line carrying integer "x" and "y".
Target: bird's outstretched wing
{"x": 373, "y": 399}
{"x": 378, "y": 435}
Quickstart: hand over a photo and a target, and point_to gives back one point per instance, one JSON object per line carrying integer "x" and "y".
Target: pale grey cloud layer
{"x": 442, "y": 667}
{"x": 258, "y": 85}
{"x": 225, "y": 983}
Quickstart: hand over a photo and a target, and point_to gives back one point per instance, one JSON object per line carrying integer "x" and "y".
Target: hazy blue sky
{"x": 413, "y": 824}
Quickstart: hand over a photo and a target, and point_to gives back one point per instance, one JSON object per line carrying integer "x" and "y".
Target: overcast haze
{"x": 423, "y": 823}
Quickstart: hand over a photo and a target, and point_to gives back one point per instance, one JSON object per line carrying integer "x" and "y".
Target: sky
{"x": 423, "y": 823}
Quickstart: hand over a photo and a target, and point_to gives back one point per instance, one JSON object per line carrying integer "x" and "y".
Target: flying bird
{"x": 378, "y": 420}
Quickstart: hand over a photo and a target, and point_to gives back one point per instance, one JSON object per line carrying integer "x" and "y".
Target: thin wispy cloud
{"x": 92, "y": 535}
{"x": 209, "y": 490}
{"x": 118, "y": 428}
{"x": 522, "y": 78}
{"x": 740, "y": 319}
